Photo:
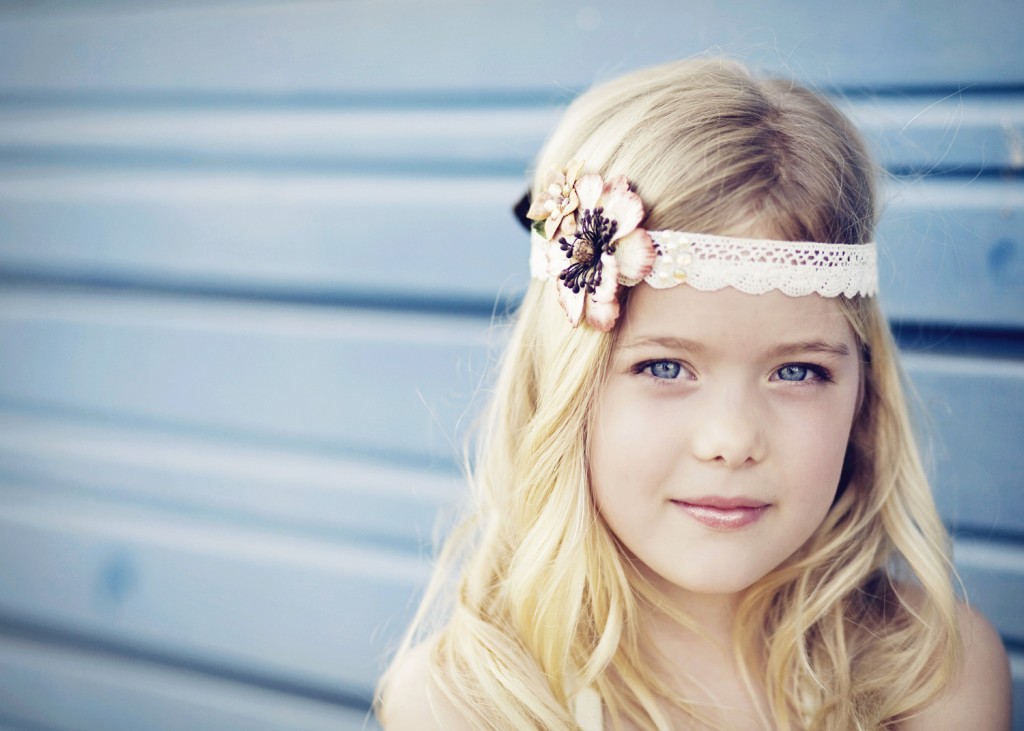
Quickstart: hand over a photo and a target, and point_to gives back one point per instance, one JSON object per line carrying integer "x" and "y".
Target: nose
{"x": 729, "y": 430}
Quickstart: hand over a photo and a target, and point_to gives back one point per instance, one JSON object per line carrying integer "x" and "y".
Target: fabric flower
{"x": 605, "y": 249}
{"x": 557, "y": 200}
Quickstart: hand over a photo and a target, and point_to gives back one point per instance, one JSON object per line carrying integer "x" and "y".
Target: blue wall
{"x": 249, "y": 257}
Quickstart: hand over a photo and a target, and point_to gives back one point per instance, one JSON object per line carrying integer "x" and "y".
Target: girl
{"x": 697, "y": 501}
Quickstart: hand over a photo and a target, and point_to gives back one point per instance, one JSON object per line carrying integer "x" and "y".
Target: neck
{"x": 699, "y": 661}
{"x": 712, "y": 615}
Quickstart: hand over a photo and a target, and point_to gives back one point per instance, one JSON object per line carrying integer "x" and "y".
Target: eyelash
{"x": 646, "y": 367}
{"x": 820, "y": 373}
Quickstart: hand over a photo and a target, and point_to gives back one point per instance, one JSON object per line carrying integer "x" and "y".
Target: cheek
{"x": 629, "y": 451}
{"x": 817, "y": 447}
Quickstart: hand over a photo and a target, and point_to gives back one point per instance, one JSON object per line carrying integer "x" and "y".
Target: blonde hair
{"x": 542, "y": 602}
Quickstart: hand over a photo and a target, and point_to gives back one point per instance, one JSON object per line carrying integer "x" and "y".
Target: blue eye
{"x": 800, "y": 372}
{"x": 664, "y": 369}
{"x": 793, "y": 373}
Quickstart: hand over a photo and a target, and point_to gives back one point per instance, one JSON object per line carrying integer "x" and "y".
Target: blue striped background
{"x": 250, "y": 258}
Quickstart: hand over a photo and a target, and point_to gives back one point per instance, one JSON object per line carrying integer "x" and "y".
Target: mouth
{"x": 724, "y": 513}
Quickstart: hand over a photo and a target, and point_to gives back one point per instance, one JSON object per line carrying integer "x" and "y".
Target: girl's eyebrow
{"x": 664, "y": 341}
{"x": 824, "y": 347}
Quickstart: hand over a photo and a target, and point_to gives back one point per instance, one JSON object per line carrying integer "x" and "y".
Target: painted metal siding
{"x": 249, "y": 258}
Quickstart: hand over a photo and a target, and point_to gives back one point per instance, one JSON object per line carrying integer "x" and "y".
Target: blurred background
{"x": 251, "y": 258}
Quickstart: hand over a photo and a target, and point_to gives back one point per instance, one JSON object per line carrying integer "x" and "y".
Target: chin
{"x": 707, "y": 586}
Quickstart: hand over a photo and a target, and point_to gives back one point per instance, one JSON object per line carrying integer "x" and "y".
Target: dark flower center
{"x": 583, "y": 251}
{"x": 593, "y": 238}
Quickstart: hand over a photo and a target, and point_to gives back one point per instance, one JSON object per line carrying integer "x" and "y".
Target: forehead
{"x": 730, "y": 317}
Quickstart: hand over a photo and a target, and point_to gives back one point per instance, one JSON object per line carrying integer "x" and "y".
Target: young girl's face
{"x": 721, "y": 429}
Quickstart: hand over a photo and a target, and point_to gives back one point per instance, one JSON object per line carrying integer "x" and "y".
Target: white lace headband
{"x": 586, "y": 234}
{"x": 756, "y": 266}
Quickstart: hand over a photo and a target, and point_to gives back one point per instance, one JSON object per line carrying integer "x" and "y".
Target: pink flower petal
{"x": 538, "y": 210}
{"x": 572, "y": 302}
{"x": 557, "y": 260}
{"x": 634, "y": 254}
{"x": 589, "y": 188}
{"x": 602, "y": 315}
{"x": 573, "y": 203}
{"x": 572, "y": 171}
{"x": 608, "y": 288}
{"x": 551, "y": 225}
{"x": 619, "y": 185}
{"x": 622, "y": 205}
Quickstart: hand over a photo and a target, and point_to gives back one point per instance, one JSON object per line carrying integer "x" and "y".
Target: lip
{"x": 724, "y": 513}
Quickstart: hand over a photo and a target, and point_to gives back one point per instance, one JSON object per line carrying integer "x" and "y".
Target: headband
{"x": 586, "y": 235}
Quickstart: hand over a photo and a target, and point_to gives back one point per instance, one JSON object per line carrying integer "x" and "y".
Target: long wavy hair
{"x": 532, "y": 599}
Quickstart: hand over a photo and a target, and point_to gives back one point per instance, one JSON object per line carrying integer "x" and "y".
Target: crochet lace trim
{"x": 756, "y": 266}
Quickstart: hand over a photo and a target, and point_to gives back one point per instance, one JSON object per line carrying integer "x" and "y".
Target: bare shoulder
{"x": 981, "y": 698}
{"x": 411, "y": 699}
